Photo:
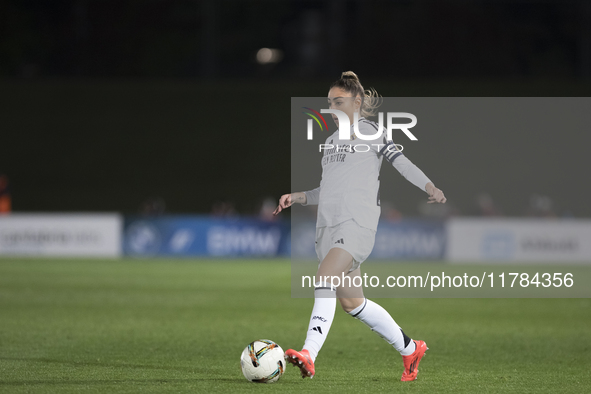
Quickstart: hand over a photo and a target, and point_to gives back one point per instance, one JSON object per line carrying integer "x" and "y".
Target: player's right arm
{"x": 305, "y": 198}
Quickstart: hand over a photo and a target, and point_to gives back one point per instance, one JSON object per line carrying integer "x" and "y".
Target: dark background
{"x": 107, "y": 103}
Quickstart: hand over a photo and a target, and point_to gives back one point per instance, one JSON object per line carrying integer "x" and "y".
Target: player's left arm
{"x": 435, "y": 194}
{"x": 411, "y": 172}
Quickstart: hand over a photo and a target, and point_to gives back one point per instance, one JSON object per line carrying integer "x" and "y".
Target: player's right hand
{"x": 284, "y": 202}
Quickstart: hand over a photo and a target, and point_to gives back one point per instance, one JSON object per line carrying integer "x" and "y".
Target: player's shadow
{"x": 102, "y": 364}
{"x": 113, "y": 381}
{"x": 88, "y": 382}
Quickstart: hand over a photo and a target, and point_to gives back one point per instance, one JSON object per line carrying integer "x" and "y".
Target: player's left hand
{"x": 435, "y": 194}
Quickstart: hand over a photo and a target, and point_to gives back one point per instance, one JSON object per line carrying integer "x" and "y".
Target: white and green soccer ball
{"x": 263, "y": 361}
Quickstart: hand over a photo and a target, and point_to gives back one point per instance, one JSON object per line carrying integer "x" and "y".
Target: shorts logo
{"x": 340, "y": 241}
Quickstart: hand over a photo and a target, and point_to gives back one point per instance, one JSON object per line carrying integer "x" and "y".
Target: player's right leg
{"x": 336, "y": 262}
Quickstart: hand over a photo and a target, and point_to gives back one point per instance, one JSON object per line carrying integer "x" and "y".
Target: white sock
{"x": 380, "y": 321}
{"x": 325, "y": 303}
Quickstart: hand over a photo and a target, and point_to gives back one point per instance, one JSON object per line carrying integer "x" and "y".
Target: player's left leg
{"x": 374, "y": 316}
{"x": 380, "y": 321}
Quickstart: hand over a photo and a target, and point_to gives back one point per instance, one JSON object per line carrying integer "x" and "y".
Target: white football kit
{"x": 348, "y": 197}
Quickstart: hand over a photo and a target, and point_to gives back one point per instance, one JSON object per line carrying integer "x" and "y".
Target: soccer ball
{"x": 262, "y": 361}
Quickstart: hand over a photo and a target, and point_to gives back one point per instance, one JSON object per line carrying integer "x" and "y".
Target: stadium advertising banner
{"x": 410, "y": 240}
{"x": 400, "y": 240}
{"x": 80, "y": 235}
{"x": 537, "y": 240}
{"x": 205, "y": 236}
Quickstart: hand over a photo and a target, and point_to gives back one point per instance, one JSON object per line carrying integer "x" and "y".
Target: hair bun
{"x": 349, "y": 75}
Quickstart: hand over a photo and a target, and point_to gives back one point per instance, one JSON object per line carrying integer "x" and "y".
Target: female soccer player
{"x": 348, "y": 213}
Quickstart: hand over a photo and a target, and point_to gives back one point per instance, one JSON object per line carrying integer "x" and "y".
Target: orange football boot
{"x": 302, "y": 360}
{"x": 411, "y": 362}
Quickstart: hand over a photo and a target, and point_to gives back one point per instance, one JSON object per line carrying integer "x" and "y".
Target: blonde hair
{"x": 370, "y": 99}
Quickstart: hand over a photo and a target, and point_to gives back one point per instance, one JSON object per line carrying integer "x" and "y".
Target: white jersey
{"x": 350, "y": 183}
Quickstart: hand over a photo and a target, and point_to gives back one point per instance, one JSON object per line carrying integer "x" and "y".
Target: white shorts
{"x": 348, "y": 235}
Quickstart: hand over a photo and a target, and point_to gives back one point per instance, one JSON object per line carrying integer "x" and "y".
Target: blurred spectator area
{"x": 220, "y": 38}
{"x": 107, "y": 102}
{"x": 5, "y": 198}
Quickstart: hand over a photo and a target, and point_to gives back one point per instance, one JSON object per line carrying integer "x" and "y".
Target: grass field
{"x": 179, "y": 326}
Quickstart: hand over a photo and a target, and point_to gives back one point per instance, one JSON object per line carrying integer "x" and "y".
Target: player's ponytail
{"x": 370, "y": 99}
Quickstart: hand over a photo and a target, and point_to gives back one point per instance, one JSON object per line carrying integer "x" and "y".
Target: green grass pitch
{"x": 179, "y": 326}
